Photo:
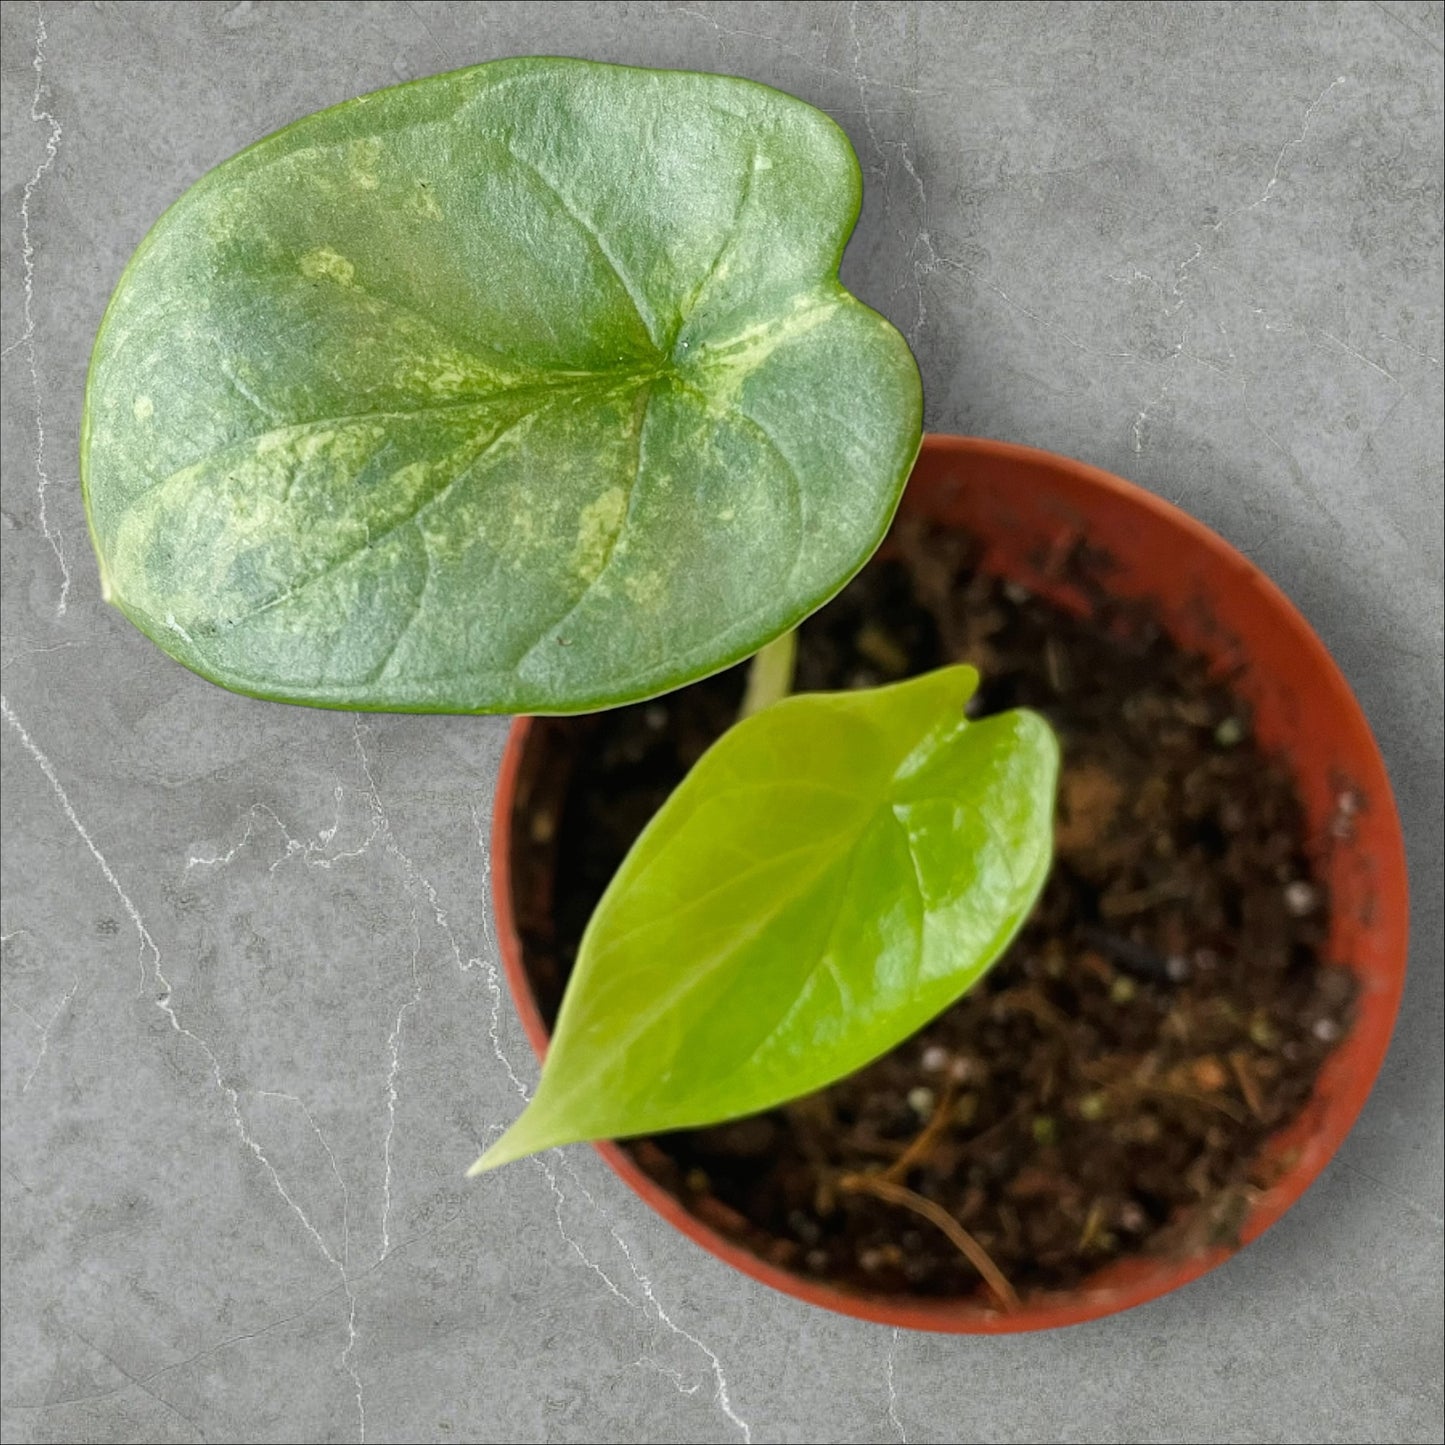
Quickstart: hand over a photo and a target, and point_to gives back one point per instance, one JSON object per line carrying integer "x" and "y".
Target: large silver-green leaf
{"x": 528, "y": 387}
{"x": 833, "y": 873}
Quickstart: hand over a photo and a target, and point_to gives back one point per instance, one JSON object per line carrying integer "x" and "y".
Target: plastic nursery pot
{"x": 1026, "y": 507}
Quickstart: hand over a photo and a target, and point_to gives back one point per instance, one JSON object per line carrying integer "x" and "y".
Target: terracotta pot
{"x": 1025, "y": 505}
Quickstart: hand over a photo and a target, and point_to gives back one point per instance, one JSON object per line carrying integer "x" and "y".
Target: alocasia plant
{"x": 533, "y": 387}
{"x": 833, "y": 873}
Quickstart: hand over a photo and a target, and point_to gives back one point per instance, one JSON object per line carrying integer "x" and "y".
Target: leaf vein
{"x": 729, "y": 244}
{"x": 369, "y": 542}
{"x": 645, "y": 405}
{"x": 649, "y": 325}
{"x": 733, "y": 880}
{"x": 381, "y": 668}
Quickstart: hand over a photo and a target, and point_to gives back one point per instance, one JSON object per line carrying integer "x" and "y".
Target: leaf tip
{"x": 494, "y": 1156}
{"x": 522, "y": 1138}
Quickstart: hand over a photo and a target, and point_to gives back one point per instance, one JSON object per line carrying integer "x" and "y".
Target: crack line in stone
{"x": 1284, "y": 150}
{"x": 147, "y": 943}
{"x": 393, "y": 1044}
{"x": 44, "y": 1030}
{"x": 162, "y": 1000}
{"x": 721, "y": 1395}
{"x": 417, "y": 883}
{"x": 27, "y": 335}
{"x": 342, "y": 1265}
{"x": 893, "y": 1416}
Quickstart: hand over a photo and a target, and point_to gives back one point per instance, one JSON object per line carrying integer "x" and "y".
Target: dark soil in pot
{"x": 1107, "y": 1089}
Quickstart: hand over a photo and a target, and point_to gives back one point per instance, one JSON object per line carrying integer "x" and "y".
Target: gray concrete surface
{"x": 252, "y": 1026}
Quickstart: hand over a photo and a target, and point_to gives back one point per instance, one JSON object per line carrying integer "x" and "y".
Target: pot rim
{"x": 1141, "y": 1278}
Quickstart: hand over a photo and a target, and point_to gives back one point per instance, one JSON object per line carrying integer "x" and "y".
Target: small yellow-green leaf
{"x": 526, "y": 388}
{"x": 834, "y": 872}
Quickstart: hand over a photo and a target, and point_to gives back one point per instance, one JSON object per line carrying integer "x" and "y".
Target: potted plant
{"x": 532, "y": 388}
{"x": 1185, "y": 1031}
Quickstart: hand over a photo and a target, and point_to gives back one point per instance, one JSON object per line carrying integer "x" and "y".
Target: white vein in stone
{"x": 924, "y": 240}
{"x": 163, "y": 1001}
{"x": 893, "y": 1417}
{"x": 721, "y": 1394}
{"x": 342, "y": 1265}
{"x": 1142, "y": 418}
{"x": 419, "y": 886}
{"x": 493, "y": 975}
{"x": 312, "y": 852}
{"x": 933, "y": 261}
{"x": 26, "y": 338}
{"x": 1284, "y": 150}
{"x": 147, "y": 943}
{"x": 44, "y": 1029}
{"x": 1405, "y": 346}
{"x": 29, "y": 649}
{"x": 393, "y": 1045}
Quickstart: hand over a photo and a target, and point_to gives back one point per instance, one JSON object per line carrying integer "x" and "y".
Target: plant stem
{"x": 770, "y": 677}
{"x": 962, "y": 1240}
{"x": 922, "y": 1145}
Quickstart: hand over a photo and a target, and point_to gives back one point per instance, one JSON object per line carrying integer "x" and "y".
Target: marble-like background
{"x": 251, "y": 1020}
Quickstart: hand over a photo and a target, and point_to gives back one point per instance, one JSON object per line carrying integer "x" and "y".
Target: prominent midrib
{"x": 547, "y": 390}
{"x": 408, "y": 519}
{"x": 840, "y": 854}
{"x": 663, "y": 365}
{"x": 838, "y": 849}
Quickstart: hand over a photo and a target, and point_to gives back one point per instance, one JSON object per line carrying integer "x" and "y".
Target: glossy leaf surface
{"x": 833, "y": 873}
{"x": 531, "y": 387}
